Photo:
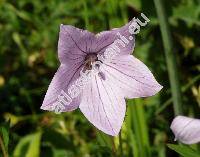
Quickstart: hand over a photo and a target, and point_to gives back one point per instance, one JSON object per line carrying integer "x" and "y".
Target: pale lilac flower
{"x": 186, "y": 130}
{"x": 102, "y": 101}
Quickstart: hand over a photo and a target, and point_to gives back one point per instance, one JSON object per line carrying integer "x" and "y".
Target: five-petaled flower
{"x": 102, "y": 101}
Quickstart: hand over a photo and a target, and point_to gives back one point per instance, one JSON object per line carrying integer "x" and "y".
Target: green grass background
{"x": 169, "y": 45}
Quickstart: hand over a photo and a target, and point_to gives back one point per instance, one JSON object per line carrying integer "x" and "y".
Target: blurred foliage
{"x": 28, "y": 60}
{"x": 185, "y": 151}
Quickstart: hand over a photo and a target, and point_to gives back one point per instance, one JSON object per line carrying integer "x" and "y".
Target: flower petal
{"x": 186, "y": 130}
{"x": 63, "y": 78}
{"x": 132, "y": 76}
{"x": 106, "y": 38}
{"x": 74, "y": 44}
{"x": 103, "y": 106}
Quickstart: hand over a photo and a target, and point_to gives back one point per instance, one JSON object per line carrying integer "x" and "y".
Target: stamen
{"x": 89, "y": 60}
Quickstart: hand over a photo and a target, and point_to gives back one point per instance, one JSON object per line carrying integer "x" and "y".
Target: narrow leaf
{"x": 183, "y": 150}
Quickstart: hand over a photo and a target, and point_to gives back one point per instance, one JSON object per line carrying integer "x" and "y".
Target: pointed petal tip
{"x": 44, "y": 107}
{"x": 160, "y": 87}
{"x": 156, "y": 89}
{"x": 61, "y": 26}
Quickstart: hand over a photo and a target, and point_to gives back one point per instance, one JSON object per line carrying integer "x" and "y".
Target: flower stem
{"x": 113, "y": 148}
{"x": 3, "y": 148}
{"x": 120, "y": 144}
{"x": 170, "y": 57}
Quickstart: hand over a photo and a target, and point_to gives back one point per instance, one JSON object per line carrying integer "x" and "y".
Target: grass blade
{"x": 170, "y": 57}
{"x": 139, "y": 127}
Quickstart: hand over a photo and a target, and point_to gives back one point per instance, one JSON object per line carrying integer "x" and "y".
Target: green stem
{"x": 120, "y": 144}
{"x": 170, "y": 57}
{"x": 3, "y": 148}
{"x": 131, "y": 135}
{"x": 113, "y": 148}
{"x": 140, "y": 128}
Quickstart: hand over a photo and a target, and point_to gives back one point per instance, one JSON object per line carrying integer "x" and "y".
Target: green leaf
{"x": 139, "y": 127}
{"x": 184, "y": 150}
{"x": 28, "y": 146}
{"x": 34, "y": 148}
{"x": 191, "y": 16}
{"x": 4, "y": 133}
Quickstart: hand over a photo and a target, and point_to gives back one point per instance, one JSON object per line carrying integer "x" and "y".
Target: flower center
{"x": 89, "y": 60}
